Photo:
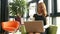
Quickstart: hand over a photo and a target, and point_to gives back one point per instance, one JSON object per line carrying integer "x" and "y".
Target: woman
{"x": 41, "y": 14}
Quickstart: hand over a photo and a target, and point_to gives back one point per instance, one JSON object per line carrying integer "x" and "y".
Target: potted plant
{"x": 17, "y": 7}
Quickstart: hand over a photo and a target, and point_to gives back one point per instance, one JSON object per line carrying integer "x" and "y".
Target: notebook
{"x": 34, "y": 26}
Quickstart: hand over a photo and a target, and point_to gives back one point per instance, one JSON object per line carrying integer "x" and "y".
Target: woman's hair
{"x": 42, "y": 4}
{"x": 42, "y": 8}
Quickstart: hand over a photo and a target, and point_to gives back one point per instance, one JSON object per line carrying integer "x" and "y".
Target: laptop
{"x": 34, "y": 26}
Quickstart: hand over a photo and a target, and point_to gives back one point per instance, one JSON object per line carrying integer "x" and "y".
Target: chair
{"x": 10, "y": 26}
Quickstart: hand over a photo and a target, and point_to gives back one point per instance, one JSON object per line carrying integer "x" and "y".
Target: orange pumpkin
{"x": 10, "y": 26}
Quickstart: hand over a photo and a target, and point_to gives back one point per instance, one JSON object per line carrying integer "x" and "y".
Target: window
{"x": 49, "y": 10}
{"x": 32, "y": 9}
{"x": 49, "y": 6}
{"x": 58, "y": 5}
